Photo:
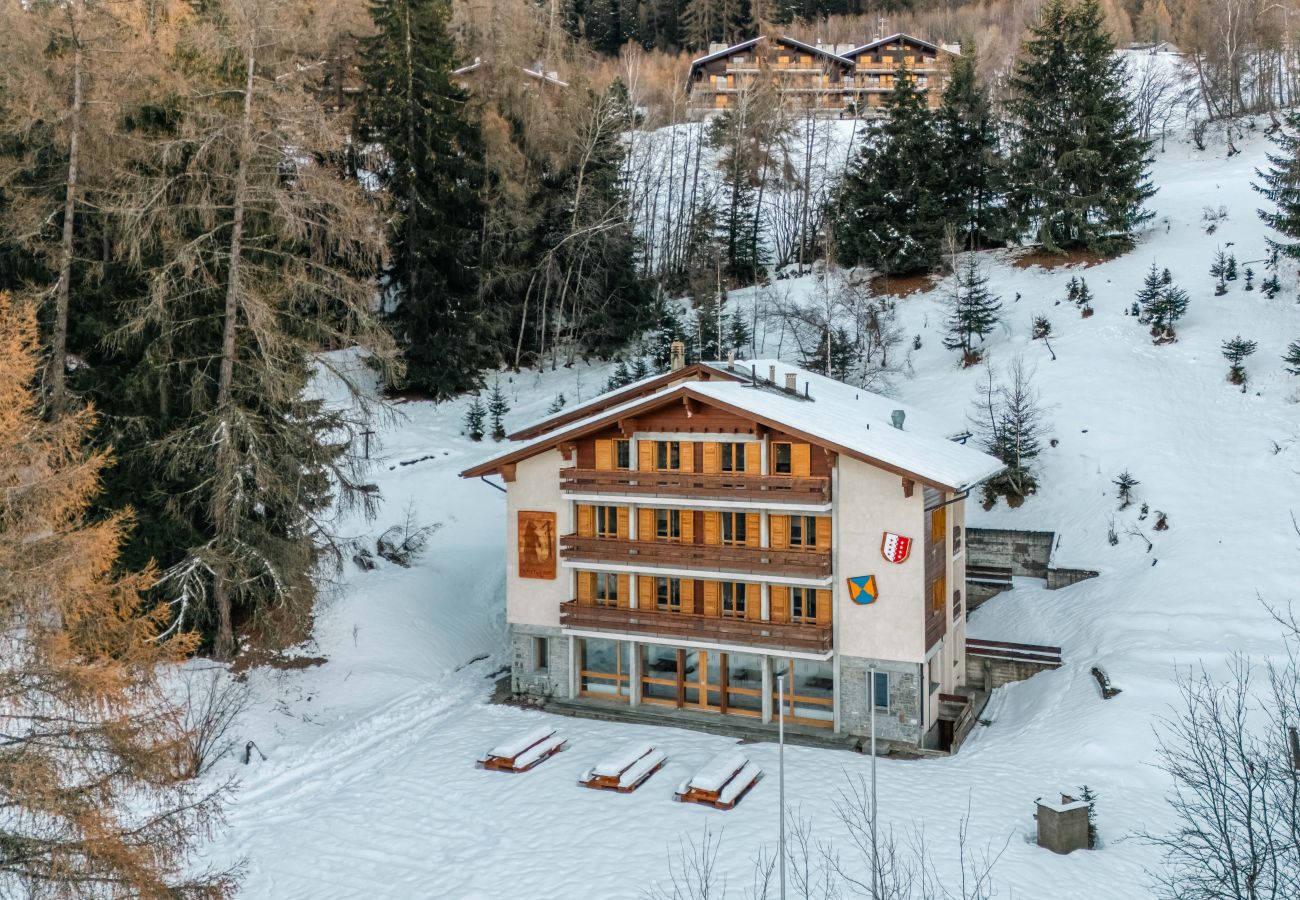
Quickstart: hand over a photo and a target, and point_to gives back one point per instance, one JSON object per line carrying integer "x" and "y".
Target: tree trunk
{"x": 224, "y": 646}
{"x": 59, "y": 340}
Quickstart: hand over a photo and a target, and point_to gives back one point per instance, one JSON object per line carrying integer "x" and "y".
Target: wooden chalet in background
{"x": 676, "y": 546}
{"x": 467, "y": 75}
{"x": 839, "y": 80}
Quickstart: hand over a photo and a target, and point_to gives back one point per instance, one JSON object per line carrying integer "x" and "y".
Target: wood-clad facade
{"x": 839, "y": 80}
{"x": 704, "y": 553}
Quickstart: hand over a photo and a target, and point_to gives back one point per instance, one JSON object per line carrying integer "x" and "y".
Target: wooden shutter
{"x": 624, "y": 591}
{"x": 938, "y": 588}
{"x": 586, "y": 520}
{"x": 688, "y": 456}
{"x": 753, "y": 530}
{"x": 604, "y": 454}
{"x": 645, "y": 586}
{"x": 624, "y": 522}
{"x": 823, "y": 533}
{"x": 586, "y": 588}
{"x": 753, "y": 602}
{"x": 712, "y": 598}
{"x": 688, "y": 595}
{"x": 645, "y": 456}
{"x": 823, "y": 607}
{"x": 688, "y": 526}
{"x": 800, "y": 460}
{"x": 753, "y": 450}
{"x": 779, "y": 531}
{"x": 711, "y": 461}
{"x": 779, "y": 599}
{"x": 645, "y": 524}
{"x": 712, "y": 531}
{"x": 938, "y": 524}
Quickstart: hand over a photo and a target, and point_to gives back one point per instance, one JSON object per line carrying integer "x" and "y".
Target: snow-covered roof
{"x": 780, "y": 39}
{"x": 850, "y": 420}
{"x": 899, "y": 36}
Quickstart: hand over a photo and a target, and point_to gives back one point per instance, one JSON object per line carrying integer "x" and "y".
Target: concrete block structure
{"x": 686, "y": 543}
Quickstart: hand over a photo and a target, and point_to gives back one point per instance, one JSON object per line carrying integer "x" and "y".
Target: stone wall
{"x": 901, "y": 722}
{"x": 526, "y": 679}
{"x": 1028, "y": 553}
{"x": 1059, "y": 578}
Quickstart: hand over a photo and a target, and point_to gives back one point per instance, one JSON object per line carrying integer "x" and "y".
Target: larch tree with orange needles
{"x": 91, "y": 804}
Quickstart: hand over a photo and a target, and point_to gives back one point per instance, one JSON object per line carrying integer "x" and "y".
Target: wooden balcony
{"x": 687, "y": 626}
{"x": 758, "y": 561}
{"x": 697, "y": 486}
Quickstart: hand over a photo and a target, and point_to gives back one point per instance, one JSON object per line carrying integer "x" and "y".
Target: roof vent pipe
{"x": 791, "y": 383}
{"x": 753, "y": 375}
{"x": 897, "y": 417}
{"x": 805, "y": 390}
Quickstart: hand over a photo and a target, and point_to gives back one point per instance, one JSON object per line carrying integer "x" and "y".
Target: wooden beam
{"x": 567, "y": 449}
{"x": 689, "y": 405}
{"x": 508, "y": 472}
{"x": 908, "y": 486}
{"x": 627, "y": 426}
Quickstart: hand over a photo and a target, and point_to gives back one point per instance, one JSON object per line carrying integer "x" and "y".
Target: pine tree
{"x": 475, "y": 414}
{"x": 1164, "y": 312}
{"x": 890, "y": 210}
{"x": 1152, "y": 287}
{"x": 497, "y": 407}
{"x": 556, "y": 405}
{"x": 1009, "y": 418}
{"x": 414, "y": 109}
{"x": 709, "y": 329}
{"x": 1280, "y": 185}
{"x": 974, "y": 171}
{"x": 1235, "y": 351}
{"x": 1078, "y": 174}
{"x": 738, "y": 333}
{"x": 1125, "y": 484}
{"x": 835, "y": 355}
{"x": 1072, "y": 289}
{"x": 668, "y": 329}
{"x": 1042, "y": 328}
{"x": 90, "y": 763}
{"x": 1084, "y": 299}
{"x": 1292, "y": 358}
{"x": 973, "y": 311}
{"x": 1166, "y": 277}
{"x": 1270, "y": 286}
{"x": 639, "y": 369}
{"x": 1230, "y": 270}
{"x": 1250, "y": 279}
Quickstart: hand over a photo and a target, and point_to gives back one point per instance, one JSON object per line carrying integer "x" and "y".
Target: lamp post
{"x": 871, "y": 705}
{"x": 780, "y": 745}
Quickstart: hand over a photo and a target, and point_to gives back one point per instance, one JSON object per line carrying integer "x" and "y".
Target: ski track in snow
{"x": 370, "y": 788}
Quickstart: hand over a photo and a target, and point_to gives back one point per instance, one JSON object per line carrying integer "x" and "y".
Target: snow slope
{"x": 369, "y": 787}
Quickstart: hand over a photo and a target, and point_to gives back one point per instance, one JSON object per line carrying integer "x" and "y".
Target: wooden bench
{"x": 521, "y": 753}
{"x": 626, "y": 770}
{"x": 722, "y": 783}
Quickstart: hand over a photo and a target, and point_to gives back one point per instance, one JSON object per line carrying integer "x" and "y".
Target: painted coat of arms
{"x": 895, "y": 547}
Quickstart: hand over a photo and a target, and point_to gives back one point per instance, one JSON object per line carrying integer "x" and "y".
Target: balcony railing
{"x": 728, "y": 486}
{"x": 688, "y": 626}
{"x": 762, "y": 561}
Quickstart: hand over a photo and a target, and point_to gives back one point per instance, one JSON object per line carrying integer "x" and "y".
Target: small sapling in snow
{"x": 475, "y": 415}
{"x": 1235, "y": 351}
{"x": 556, "y": 405}
{"x": 497, "y": 408}
{"x": 1250, "y": 279}
{"x": 1230, "y": 270}
{"x": 1042, "y": 328}
{"x": 1125, "y": 484}
{"x": 1292, "y": 358}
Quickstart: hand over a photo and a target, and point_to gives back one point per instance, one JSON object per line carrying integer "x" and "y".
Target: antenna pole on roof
{"x": 753, "y": 375}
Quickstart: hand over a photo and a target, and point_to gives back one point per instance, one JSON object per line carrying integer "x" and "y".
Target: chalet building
{"x": 840, "y": 80}
{"x": 466, "y": 75}
{"x": 675, "y": 546}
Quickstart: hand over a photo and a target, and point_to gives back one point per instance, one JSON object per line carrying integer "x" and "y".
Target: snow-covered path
{"x": 370, "y": 789}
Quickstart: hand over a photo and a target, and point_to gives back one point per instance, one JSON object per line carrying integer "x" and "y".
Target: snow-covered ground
{"x": 369, "y": 787}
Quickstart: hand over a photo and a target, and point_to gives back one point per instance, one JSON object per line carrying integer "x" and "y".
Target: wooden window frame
{"x": 956, "y": 604}
{"x": 609, "y": 527}
{"x": 664, "y": 599}
{"x": 776, "y": 457}
{"x": 737, "y": 453}
{"x": 619, "y": 677}
{"x": 732, "y": 594}
{"x": 805, "y": 601}
{"x": 622, "y": 454}
{"x": 601, "y": 593}
{"x": 668, "y": 456}
{"x": 668, "y": 532}
{"x": 727, "y": 520}
{"x": 807, "y": 531}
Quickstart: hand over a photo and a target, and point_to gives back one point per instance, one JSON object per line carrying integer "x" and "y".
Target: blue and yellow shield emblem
{"x": 863, "y": 589}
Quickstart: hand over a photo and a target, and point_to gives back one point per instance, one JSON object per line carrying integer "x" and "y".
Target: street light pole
{"x": 875, "y": 860}
{"x": 780, "y": 744}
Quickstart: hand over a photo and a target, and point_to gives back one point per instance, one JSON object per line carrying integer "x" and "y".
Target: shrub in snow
{"x": 556, "y": 405}
{"x": 475, "y": 415}
{"x": 404, "y": 542}
{"x": 1292, "y": 358}
{"x": 1235, "y": 351}
{"x": 1042, "y": 327}
{"x": 1270, "y": 286}
{"x": 1125, "y": 483}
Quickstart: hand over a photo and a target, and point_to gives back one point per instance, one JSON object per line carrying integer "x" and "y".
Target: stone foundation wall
{"x": 901, "y": 722}
{"x": 1028, "y": 553}
{"x": 526, "y": 679}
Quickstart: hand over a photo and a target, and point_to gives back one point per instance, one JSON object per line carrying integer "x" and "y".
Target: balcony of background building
{"x": 696, "y": 485}
{"x": 675, "y": 626}
{"x": 740, "y": 560}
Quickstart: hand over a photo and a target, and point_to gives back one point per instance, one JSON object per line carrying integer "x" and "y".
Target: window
{"x": 603, "y": 668}
{"x": 607, "y": 521}
{"x": 668, "y": 524}
{"x": 956, "y": 605}
{"x": 880, "y": 680}
{"x": 733, "y": 599}
{"x": 733, "y": 527}
{"x": 803, "y": 531}
{"x": 956, "y": 539}
{"x": 606, "y": 588}
{"x": 803, "y": 604}
{"x": 541, "y": 654}
{"x": 781, "y": 459}
{"x": 731, "y": 457}
{"x": 622, "y": 454}
{"x": 668, "y": 456}
{"x": 668, "y": 594}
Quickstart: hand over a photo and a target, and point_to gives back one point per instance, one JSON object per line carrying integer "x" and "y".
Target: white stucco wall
{"x": 536, "y": 601}
{"x": 868, "y": 502}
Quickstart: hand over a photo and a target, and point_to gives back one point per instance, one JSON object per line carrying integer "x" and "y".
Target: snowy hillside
{"x": 369, "y": 787}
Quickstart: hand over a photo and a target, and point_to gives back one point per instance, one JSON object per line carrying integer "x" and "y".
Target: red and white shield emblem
{"x": 895, "y": 547}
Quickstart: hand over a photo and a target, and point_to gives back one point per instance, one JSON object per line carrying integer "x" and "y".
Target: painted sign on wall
{"x": 895, "y": 547}
{"x": 536, "y": 544}
{"x": 863, "y": 589}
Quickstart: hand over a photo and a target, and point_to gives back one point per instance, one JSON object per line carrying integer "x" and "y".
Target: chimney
{"x": 791, "y": 382}
{"x": 731, "y": 359}
{"x": 897, "y": 417}
{"x": 771, "y": 374}
{"x": 677, "y": 351}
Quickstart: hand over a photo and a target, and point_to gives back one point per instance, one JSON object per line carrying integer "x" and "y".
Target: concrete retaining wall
{"x": 986, "y": 673}
{"x": 1027, "y": 553}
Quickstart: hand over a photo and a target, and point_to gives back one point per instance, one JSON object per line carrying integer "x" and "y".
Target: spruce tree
{"x": 1280, "y": 185}
{"x": 640, "y": 369}
{"x": 415, "y": 111}
{"x": 890, "y": 210}
{"x": 1164, "y": 312}
{"x": 1250, "y": 279}
{"x": 1230, "y": 270}
{"x": 1078, "y": 175}
{"x": 1152, "y": 287}
{"x": 497, "y": 407}
{"x": 1235, "y": 351}
{"x": 1084, "y": 299}
{"x": 1292, "y": 358}
{"x": 1125, "y": 484}
{"x": 974, "y": 170}
{"x": 973, "y": 311}
{"x": 475, "y": 414}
